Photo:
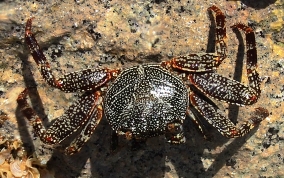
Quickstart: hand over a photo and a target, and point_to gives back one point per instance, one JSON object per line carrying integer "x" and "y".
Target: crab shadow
{"x": 260, "y": 4}
{"x": 155, "y": 158}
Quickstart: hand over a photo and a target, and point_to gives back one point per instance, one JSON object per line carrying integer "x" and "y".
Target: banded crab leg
{"x": 85, "y": 113}
{"x": 83, "y": 80}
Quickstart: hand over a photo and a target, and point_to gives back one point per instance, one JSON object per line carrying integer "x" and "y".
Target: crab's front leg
{"x": 83, "y": 80}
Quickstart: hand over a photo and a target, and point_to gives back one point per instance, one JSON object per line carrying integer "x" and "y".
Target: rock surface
{"x": 79, "y": 34}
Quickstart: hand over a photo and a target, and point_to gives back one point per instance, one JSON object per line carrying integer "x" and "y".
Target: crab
{"x": 148, "y": 100}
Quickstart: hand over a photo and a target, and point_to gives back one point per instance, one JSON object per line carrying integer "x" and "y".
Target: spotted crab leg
{"x": 88, "y": 129}
{"x": 231, "y": 91}
{"x": 205, "y": 62}
{"x": 83, "y": 80}
{"x": 86, "y": 113}
{"x": 214, "y": 117}
{"x": 197, "y": 121}
{"x": 202, "y": 67}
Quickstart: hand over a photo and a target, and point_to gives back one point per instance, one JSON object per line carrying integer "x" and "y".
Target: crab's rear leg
{"x": 86, "y": 113}
{"x": 83, "y": 80}
{"x": 228, "y": 90}
{"x": 224, "y": 125}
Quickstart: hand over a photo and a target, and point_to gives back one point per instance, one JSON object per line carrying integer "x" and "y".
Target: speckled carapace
{"x": 149, "y": 99}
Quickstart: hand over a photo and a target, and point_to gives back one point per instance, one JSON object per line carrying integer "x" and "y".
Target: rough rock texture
{"x": 79, "y": 34}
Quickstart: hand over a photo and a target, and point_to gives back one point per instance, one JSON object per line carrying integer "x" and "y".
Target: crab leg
{"x": 197, "y": 121}
{"x": 253, "y": 76}
{"x": 204, "y": 62}
{"x": 194, "y": 62}
{"x": 81, "y": 113}
{"x": 221, "y": 38}
{"x": 87, "y": 79}
{"x": 214, "y": 117}
{"x": 229, "y": 90}
{"x": 86, "y": 132}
